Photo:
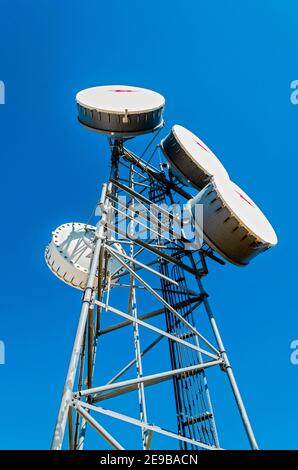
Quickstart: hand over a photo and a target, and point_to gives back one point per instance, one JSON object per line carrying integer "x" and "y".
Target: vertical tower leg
{"x": 228, "y": 368}
{"x": 73, "y": 364}
{"x": 134, "y": 312}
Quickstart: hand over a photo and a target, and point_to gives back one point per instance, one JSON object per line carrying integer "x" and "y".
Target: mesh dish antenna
{"x": 120, "y": 110}
{"x": 233, "y": 225}
{"x": 190, "y": 159}
{"x": 69, "y": 253}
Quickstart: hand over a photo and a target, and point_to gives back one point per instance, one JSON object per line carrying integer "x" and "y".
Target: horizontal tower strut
{"x": 155, "y": 329}
{"x": 151, "y": 427}
{"x": 195, "y": 300}
{"x": 168, "y": 306}
{"x": 142, "y": 265}
{"x": 148, "y": 380}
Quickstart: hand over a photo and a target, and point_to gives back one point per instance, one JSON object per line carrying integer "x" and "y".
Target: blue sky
{"x": 225, "y": 70}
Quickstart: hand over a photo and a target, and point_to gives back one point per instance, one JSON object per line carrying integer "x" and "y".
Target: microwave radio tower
{"x": 147, "y": 338}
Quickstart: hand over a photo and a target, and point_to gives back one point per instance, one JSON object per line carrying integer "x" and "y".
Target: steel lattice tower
{"x": 158, "y": 297}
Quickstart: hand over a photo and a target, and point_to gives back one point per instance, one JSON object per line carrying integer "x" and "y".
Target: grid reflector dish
{"x": 69, "y": 253}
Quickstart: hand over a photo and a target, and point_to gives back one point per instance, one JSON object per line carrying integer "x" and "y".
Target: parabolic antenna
{"x": 69, "y": 253}
{"x": 190, "y": 159}
{"x": 120, "y": 110}
{"x": 232, "y": 223}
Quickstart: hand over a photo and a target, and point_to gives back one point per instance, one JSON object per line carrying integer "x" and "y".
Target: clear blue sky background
{"x": 225, "y": 70}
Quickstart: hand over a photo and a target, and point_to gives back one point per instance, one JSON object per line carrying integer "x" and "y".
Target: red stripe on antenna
{"x": 201, "y": 145}
{"x": 244, "y": 198}
{"x": 124, "y": 91}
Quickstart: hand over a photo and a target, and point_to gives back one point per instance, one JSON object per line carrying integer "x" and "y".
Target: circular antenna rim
{"x": 123, "y": 135}
{"x": 106, "y": 109}
{"x": 189, "y": 162}
{"x": 221, "y": 185}
{"x": 68, "y": 261}
{"x": 220, "y": 171}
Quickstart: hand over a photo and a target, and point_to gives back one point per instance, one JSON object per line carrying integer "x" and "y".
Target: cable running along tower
{"x": 146, "y": 338}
